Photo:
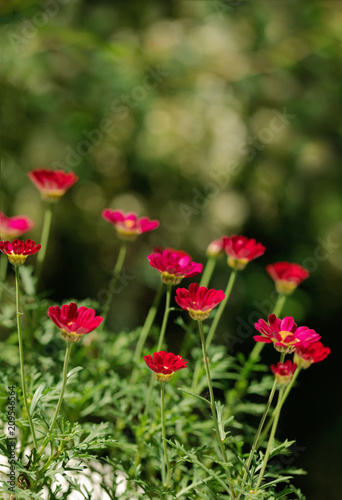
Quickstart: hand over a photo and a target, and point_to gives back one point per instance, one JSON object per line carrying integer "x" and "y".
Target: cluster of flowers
{"x": 173, "y": 265}
{"x": 288, "y": 338}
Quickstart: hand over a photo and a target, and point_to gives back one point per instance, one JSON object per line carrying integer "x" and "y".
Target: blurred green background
{"x": 216, "y": 117}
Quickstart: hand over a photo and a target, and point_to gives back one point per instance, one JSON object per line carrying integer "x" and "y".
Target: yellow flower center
{"x": 283, "y": 334}
{"x": 129, "y": 223}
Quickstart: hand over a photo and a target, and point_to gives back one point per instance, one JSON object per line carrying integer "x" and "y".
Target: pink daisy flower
{"x": 52, "y": 184}
{"x": 74, "y": 321}
{"x": 313, "y": 353}
{"x": 241, "y": 250}
{"x": 164, "y": 364}
{"x": 198, "y": 301}
{"x": 12, "y": 227}
{"x": 19, "y": 250}
{"x": 285, "y": 335}
{"x": 128, "y": 226}
{"x": 283, "y": 372}
{"x": 174, "y": 265}
{"x": 287, "y": 276}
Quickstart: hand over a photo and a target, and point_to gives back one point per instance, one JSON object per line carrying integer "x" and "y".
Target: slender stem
{"x": 166, "y": 316}
{"x": 21, "y": 356}
{"x": 162, "y": 414}
{"x": 59, "y": 404}
{"x": 44, "y": 241}
{"x": 116, "y": 272}
{"x": 121, "y": 259}
{"x": 256, "y": 351}
{"x": 208, "y": 271}
{"x": 221, "y": 308}
{"x": 65, "y": 378}
{"x": 148, "y": 323}
{"x": 271, "y": 439}
{"x": 213, "y": 407}
{"x": 160, "y": 342}
{"x": 256, "y": 439}
{"x": 286, "y": 393}
{"x": 289, "y": 387}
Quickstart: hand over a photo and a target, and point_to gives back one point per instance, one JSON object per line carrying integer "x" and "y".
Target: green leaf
{"x": 36, "y": 397}
{"x": 195, "y": 395}
{"x": 74, "y": 370}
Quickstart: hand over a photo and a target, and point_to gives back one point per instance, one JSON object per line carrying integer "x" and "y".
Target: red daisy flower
{"x": 241, "y": 250}
{"x": 216, "y": 247}
{"x": 52, "y": 184}
{"x": 174, "y": 265}
{"x": 198, "y": 301}
{"x": 12, "y": 227}
{"x": 287, "y": 276}
{"x": 74, "y": 321}
{"x": 313, "y": 353}
{"x": 18, "y": 250}
{"x": 128, "y": 225}
{"x": 164, "y": 364}
{"x": 171, "y": 250}
{"x": 283, "y": 372}
{"x": 285, "y": 335}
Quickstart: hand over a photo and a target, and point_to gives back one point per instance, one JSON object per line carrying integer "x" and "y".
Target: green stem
{"x": 59, "y": 404}
{"x": 271, "y": 439}
{"x": 21, "y": 356}
{"x": 286, "y": 393}
{"x": 148, "y": 323}
{"x": 208, "y": 271}
{"x": 213, "y": 407}
{"x": 166, "y": 316}
{"x": 116, "y": 272}
{"x": 160, "y": 342}
{"x": 44, "y": 241}
{"x": 221, "y": 308}
{"x": 256, "y": 439}
{"x": 162, "y": 414}
{"x": 152, "y": 379}
{"x": 256, "y": 351}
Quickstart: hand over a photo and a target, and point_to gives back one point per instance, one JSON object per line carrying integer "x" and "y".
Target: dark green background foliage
{"x": 216, "y": 117}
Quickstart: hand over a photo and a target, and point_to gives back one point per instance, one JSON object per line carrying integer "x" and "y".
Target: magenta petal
{"x": 260, "y": 338}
